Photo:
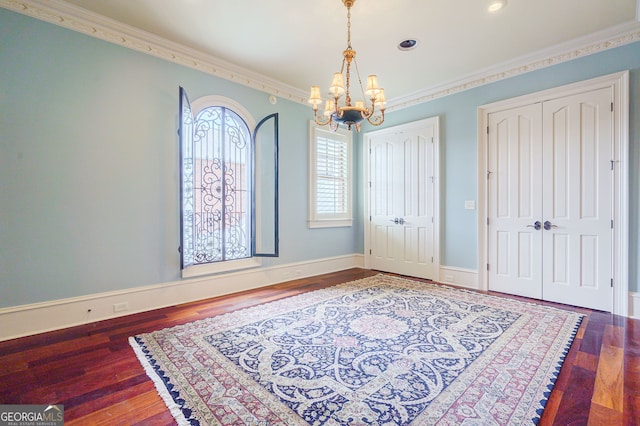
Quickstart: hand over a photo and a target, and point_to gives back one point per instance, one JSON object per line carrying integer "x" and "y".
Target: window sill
{"x": 219, "y": 267}
{"x": 330, "y": 223}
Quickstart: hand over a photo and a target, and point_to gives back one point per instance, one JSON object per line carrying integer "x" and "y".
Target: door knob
{"x": 536, "y": 225}
{"x": 548, "y": 225}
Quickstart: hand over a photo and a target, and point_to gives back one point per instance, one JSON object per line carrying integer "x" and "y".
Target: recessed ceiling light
{"x": 496, "y": 5}
{"x": 408, "y": 44}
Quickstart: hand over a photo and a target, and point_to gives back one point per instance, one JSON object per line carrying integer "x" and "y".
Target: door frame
{"x": 366, "y": 149}
{"x": 619, "y": 85}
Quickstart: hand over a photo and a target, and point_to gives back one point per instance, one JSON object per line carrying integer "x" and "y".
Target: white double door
{"x": 402, "y": 196}
{"x": 550, "y": 200}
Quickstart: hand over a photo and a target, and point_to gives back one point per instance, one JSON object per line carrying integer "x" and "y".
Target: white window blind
{"x": 330, "y": 177}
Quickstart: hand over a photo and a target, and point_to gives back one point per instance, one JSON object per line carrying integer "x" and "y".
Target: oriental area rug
{"x": 378, "y": 351}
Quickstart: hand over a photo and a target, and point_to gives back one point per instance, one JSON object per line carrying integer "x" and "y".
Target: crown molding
{"x": 78, "y": 19}
{"x": 597, "y": 42}
{"x": 83, "y": 21}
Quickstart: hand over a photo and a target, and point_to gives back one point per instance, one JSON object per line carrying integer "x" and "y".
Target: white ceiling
{"x": 300, "y": 43}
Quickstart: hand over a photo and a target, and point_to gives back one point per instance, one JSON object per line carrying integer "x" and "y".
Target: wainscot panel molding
{"x": 25, "y": 320}
{"x": 78, "y": 19}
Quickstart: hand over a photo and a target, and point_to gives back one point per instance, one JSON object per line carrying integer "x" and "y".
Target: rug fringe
{"x": 161, "y": 388}
{"x": 556, "y": 373}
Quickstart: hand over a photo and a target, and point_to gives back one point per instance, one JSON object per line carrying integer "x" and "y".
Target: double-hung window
{"x": 330, "y": 168}
{"x": 229, "y": 179}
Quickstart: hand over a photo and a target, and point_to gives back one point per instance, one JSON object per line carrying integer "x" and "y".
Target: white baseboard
{"x": 634, "y": 305}
{"x": 469, "y": 278}
{"x": 25, "y": 320}
{"x": 461, "y": 277}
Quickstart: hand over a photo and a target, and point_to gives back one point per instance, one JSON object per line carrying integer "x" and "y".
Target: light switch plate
{"x": 470, "y": 205}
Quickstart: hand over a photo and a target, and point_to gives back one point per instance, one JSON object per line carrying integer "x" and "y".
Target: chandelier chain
{"x": 348, "y": 27}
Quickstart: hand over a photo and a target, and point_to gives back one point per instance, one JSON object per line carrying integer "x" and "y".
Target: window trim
{"x": 218, "y": 267}
{"x": 318, "y": 220}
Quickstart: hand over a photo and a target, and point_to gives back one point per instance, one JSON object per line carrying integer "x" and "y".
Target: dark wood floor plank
{"x": 609, "y": 384}
{"x": 93, "y": 371}
{"x": 104, "y": 398}
{"x": 631, "y": 388}
{"x": 576, "y": 398}
{"x": 600, "y": 416}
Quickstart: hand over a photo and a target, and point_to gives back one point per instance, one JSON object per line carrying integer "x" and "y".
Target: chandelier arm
{"x": 367, "y": 112}
{"x": 318, "y": 120}
{"x": 377, "y": 120}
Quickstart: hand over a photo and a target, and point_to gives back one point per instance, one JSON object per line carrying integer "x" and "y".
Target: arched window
{"x": 221, "y": 205}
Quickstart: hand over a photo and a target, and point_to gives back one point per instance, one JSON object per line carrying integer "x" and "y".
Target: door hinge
{"x": 611, "y": 106}
{"x": 487, "y": 129}
{"x": 613, "y": 162}
{"x": 431, "y": 139}
{"x": 611, "y": 223}
{"x": 369, "y": 218}
{"x": 487, "y": 221}
{"x": 369, "y": 251}
{"x": 488, "y": 174}
{"x": 369, "y": 184}
{"x": 611, "y": 282}
{"x": 487, "y": 266}
{"x": 431, "y": 259}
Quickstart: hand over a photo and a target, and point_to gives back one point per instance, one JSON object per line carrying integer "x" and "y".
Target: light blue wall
{"x": 89, "y": 169}
{"x": 89, "y": 175}
{"x": 458, "y": 115}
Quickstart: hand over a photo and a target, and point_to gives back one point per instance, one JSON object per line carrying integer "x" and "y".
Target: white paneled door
{"x": 550, "y": 200}
{"x": 515, "y": 201}
{"x": 401, "y": 200}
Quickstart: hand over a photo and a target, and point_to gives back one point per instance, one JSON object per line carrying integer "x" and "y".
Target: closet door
{"x": 550, "y": 201}
{"x": 515, "y": 201}
{"x": 577, "y": 206}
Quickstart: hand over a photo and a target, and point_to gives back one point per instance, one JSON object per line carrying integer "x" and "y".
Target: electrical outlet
{"x": 120, "y": 307}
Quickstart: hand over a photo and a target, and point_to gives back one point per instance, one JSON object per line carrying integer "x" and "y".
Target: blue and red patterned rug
{"x": 377, "y": 351}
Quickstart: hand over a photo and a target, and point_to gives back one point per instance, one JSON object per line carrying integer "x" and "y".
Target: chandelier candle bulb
{"x": 380, "y": 99}
{"x": 329, "y": 107}
{"x": 372, "y": 86}
{"x": 337, "y": 85}
{"x": 314, "y": 96}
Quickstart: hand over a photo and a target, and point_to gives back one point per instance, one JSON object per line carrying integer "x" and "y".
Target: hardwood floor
{"x": 92, "y": 370}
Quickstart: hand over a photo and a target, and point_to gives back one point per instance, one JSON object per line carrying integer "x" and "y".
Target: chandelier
{"x": 349, "y": 114}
